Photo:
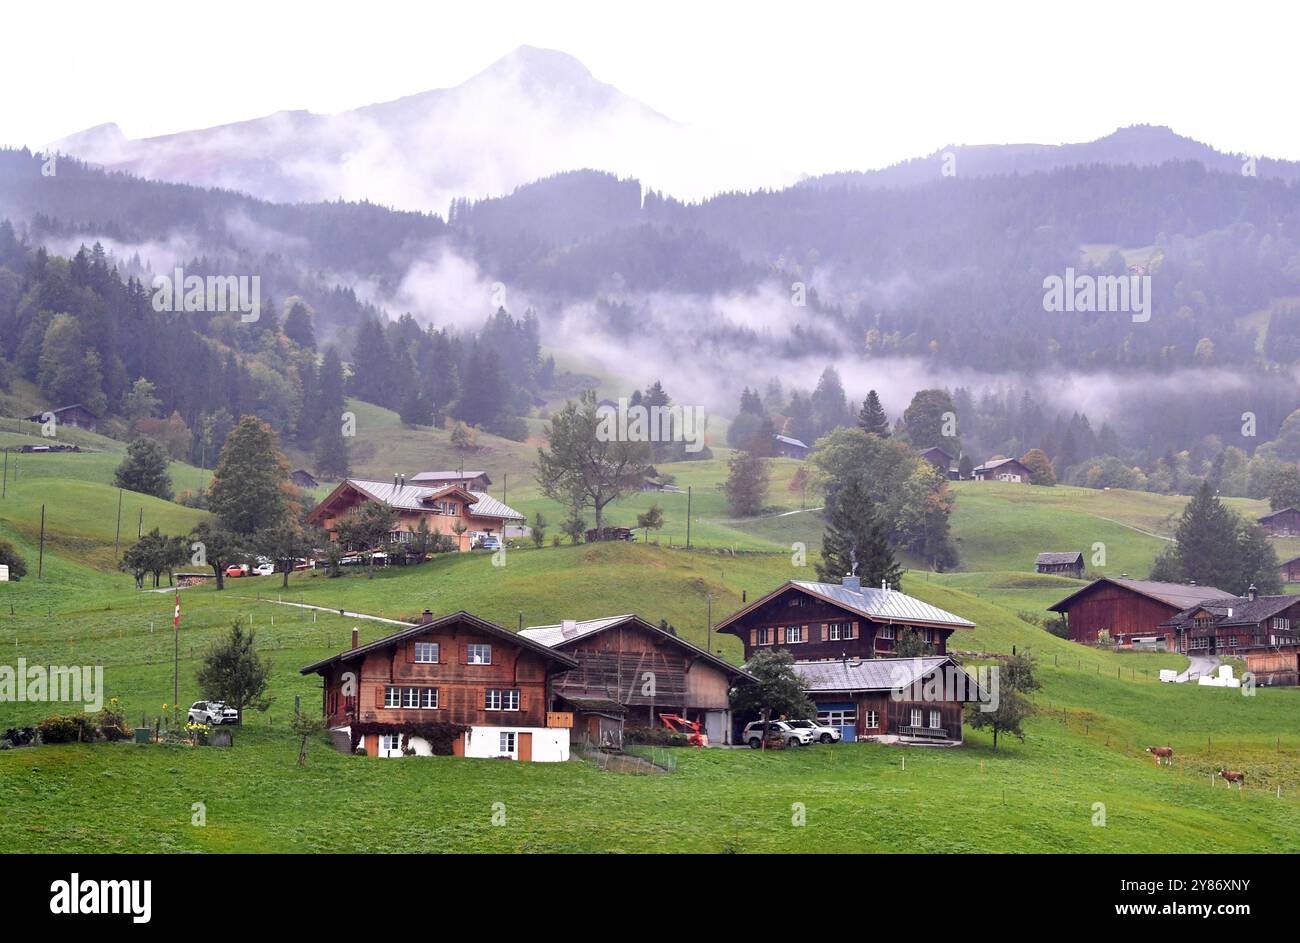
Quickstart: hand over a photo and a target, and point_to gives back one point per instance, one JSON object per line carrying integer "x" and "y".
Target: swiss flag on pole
{"x": 176, "y": 622}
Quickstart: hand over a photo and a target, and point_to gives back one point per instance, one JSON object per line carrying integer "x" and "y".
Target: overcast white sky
{"x": 827, "y": 86}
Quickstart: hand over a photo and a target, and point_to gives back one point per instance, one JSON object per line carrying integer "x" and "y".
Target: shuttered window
{"x": 426, "y": 653}
{"x": 479, "y": 654}
{"x": 501, "y": 699}
{"x": 392, "y": 696}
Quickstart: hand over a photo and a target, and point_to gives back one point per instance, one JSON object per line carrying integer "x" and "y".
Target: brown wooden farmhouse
{"x": 1236, "y": 625}
{"x": 458, "y": 684}
{"x": 1283, "y": 523}
{"x": 1069, "y": 563}
{"x": 1130, "y": 611}
{"x": 630, "y": 671}
{"x": 1289, "y": 570}
{"x": 843, "y": 638}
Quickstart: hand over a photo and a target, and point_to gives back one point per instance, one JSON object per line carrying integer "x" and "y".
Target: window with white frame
{"x": 872, "y": 721}
{"x": 838, "y": 718}
{"x": 793, "y": 634}
{"x": 501, "y": 699}
{"x": 840, "y": 631}
{"x": 392, "y": 696}
{"x": 763, "y": 637}
{"x": 480, "y": 654}
{"x": 916, "y": 716}
{"x": 410, "y": 697}
{"x": 426, "y": 653}
{"x": 429, "y": 698}
{"x": 390, "y": 743}
{"x": 400, "y": 536}
{"x": 886, "y": 631}
{"x": 507, "y": 742}
{"x": 1281, "y": 624}
{"x": 936, "y": 720}
{"x": 1202, "y": 641}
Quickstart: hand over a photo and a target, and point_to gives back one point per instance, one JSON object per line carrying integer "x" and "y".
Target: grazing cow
{"x": 1231, "y": 777}
{"x": 1164, "y": 755}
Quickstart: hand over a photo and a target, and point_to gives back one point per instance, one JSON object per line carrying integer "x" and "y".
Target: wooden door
{"x": 525, "y": 747}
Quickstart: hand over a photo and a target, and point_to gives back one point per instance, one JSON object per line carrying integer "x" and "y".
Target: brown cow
{"x": 1164, "y": 755}
{"x": 1231, "y": 777}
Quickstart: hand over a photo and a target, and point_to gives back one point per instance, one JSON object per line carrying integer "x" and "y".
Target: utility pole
{"x": 40, "y": 566}
{"x": 117, "y": 538}
{"x": 688, "y": 517}
{"x": 140, "y": 528}
{"x": 4, "y": 488}
{"x": 708, "y": 636}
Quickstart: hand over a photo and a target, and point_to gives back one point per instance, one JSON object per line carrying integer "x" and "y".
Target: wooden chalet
{"x": 631, "y": 671}
{"x": 907, "y": 698}
{"x": 1289, "y": 570}
{"x": 788, "y": 447}
{"x": 1002, "y": 469}
{"x": 1274, "y": 665}
{"x": 1130, "y": 611}
{"x": 469, "y": 480}
{"x": 303, "y": 478}
{"x": 942, "y": 460}
{"x": 456, "y": 685}
{"x": 1069, "y": 563}
{"x": 442, "y": 507}
{"x": 75, "y": 416}
{"x": 1283, "y": 523}
{"x": 1235, "y": 625}
{"x": 816, "y": 621}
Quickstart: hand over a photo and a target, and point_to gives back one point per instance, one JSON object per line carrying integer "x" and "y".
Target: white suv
{"x": 213, "y": 713}
{"x": 820, "y": 732}
{"x": 793, "y": 736}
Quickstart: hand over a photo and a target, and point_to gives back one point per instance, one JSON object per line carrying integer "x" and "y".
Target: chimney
{"x": 569, "y": 628}
{"x": 394, "y": 479}
{"x": 426, "y": 617}
{"x": 403, "y": 481}
{"x": 354, "y": 636}
{"x": 1253, "y": 592}
{"x": 852, "y": 582}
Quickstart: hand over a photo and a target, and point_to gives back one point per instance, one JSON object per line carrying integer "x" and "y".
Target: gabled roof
{"x": 553, "y": 636}
{"x": 449, "y": 476}
{"x": 481, "y": 625}
{"x": 998, "y": 463}
{"x": 1243, "y": 609}
{"x": 789, "y": 441}
{"x": 1056, "y": 559}
{"x": 935, "y": 448}
{"x": 880, "y": 605}
{"x": 36, "y": 417}
{"x": 1290, "y": 561}
{"x": 872, "y": 674}
{"x": 1278, "y": 513}
{"x": 409, "y": 497}
{"x": 1178, "y": 595}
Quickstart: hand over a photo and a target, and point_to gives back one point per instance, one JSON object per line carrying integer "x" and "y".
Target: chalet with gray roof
{"x": 1235, "y": 625}
{"x": 1069, "y": 563}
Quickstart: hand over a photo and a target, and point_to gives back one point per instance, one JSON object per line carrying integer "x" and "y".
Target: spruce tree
{"x": 249, "y": 486}
{"x": 872, "y": 418}
{"x": 856, "y": 542}
{"x": 145, "y": 470}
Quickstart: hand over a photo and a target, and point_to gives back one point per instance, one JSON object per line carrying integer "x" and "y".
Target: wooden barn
{"x": 1002, "y": 469}
{"x": 75, "y": 416}
{"x": 630, "y": 671}
{"x": 1274, "y": 665}
{"x": 816, "y": 621}
{"x": 1130, "y": 611}
{"x": 458, "y": 684}
{"x": 941, "y": 459}
{"x": 1289, "y": 570}
{"x": 908, "y": 698}
{"x": 469, "y": 480}
{"x": 1234, "y": 625}
{"x": 1283, "y": 523}
{"x": 785, "y": 446}
{"x": 1069, "y": 563}
{"x": 303, "y": 479}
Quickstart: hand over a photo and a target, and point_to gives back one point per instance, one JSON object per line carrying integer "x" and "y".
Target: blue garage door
{"x": 843, "y": 715}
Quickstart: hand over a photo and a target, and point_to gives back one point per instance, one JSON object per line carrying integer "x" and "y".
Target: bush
{"x": 10, "y": 558}
{"x": 655, "y": 736}
{"x": 111, "y": 723}
{"x": 67, "y": 728}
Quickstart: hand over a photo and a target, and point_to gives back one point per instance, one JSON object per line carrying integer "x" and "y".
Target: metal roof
{"x": 1178, "y": 595}
{"x": 789, "y": 441}
{"x": 884, "y": 605}
{"x": 446, "y": 476}
{"x": 409, "y": 497}
{"x": 1053, "y": 558}
{"x": 868, "y": 674}
{"x": 552, "y": 636}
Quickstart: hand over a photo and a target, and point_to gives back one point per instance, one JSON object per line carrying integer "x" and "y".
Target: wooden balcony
{"x": 933, "y": 733}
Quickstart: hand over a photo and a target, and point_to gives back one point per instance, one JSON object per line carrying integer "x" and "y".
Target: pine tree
{"x": 249, "y": 486}
{"x": 746, "y": 484}
{"x": 145, "y": 470}
{"x": 856, "y": 541}
{"x": 872, "y": 416}
{"x": 298, "y": 327}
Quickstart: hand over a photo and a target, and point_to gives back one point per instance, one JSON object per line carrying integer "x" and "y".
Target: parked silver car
{"x": 821, "y": 733}
{"x": 213, "y": 713}
{"x": 794, "y": 737}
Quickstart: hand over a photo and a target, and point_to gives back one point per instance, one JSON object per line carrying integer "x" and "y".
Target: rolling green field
{"x": 1098, "y": 710}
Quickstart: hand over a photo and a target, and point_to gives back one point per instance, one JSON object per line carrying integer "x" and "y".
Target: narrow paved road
{"x": 1199, "y": 665}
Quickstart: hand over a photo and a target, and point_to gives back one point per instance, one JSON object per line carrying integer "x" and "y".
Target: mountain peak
{"x": 532, "y": 65}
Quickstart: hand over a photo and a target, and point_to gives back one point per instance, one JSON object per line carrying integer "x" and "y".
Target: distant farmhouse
{"x": 843, "y": 636}
{"x": 440, "y": 506}
{"x": 1289, "y": 570}
{"x": 1131, "y": 612}
{"x": 469, "y": 480}
{"x": 789, "y": 448}
{"x": 75, "y": 416}
{"x": 1283, "y": 523}
{"x": 457, "y": 685}
{"x": 942, "y": 460}
{"x": 1237, "y": 625}
{"x": 608, "y": 688}
{"x": 1069, "y": 563}
{"x": 303, "y": 478}
{"x": 1002, "y": 469}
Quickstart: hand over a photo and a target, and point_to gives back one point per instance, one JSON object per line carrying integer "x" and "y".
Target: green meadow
{"x": 1082, "y": 762}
